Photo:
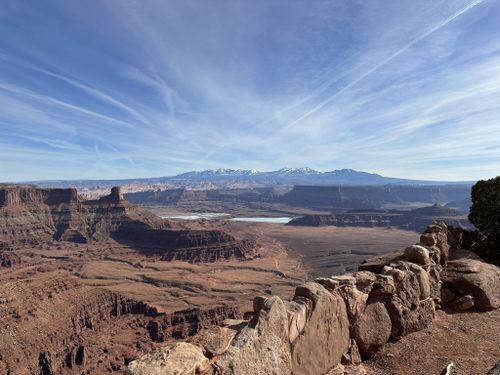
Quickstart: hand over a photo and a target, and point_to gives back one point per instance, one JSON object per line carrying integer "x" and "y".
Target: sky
{"x": 122, "y": 88}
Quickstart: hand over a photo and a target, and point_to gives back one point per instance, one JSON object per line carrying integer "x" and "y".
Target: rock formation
{"x": 55, "y": 324}
{"x": 31, "y": 216}
{"x": 417, "y": 219}
{"x": 182, "y": 196}
{"x": 341, "y": 318}
{"x": 320, "y": 197}
{"x": 372, "y": 196}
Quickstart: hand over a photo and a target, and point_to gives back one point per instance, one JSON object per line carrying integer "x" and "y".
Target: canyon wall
{"x": 31, "y": 217}
{"x": 416, "y": 219}
{"x": 372, "y": 196}
{"x": 310, "y": 196}
{"x": 183, "y": 195}
{"x": 340, "y": 319}
{"x": 56, "y": 325}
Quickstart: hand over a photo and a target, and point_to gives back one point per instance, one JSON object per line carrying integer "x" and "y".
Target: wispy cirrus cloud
{"x": 111, "y": 89}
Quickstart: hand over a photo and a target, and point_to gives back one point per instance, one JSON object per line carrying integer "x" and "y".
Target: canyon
{"x": 333, "y": 197}
{"x": 416, "y": 219}
{"x": 88, "y": 285}
{"x": 334, "y": 323}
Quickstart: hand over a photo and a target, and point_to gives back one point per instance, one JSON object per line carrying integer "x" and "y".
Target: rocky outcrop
{"x": 325, "y": 337}
{"x": 180, "y": 358}
{"x": 56, "y": 325}
{"x": 15, "y": 195}
{"x": 417, "y": 219}
{"x": 260, "y": 348}
{"x": 31, "y": 216}
{"x": 372, "y": 196}
{"x": 342, "y": 318}
{"x": 182, "y": 196}
{"x": 186, "y": 323}
{"x": 372, "y": 329}
{"x": 473, "y": 282}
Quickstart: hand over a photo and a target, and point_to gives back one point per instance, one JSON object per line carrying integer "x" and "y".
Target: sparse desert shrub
{"x": 485, "y": 215}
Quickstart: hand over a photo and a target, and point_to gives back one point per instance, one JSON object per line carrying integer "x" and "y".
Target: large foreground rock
{"x": 407, "y": 319}
{"x": 326, "y": 335}
{"x": 214, "y": 340}
{"x": 372, "y": 329}
{"x": 261, "y": 348}
{"x": 467, "y": 274}
{"x": 176, "y": 359}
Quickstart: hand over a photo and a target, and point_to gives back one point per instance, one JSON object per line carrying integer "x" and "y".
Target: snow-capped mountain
{"x": 293, "y": 176}
{"x": 217, "y": 173}
{"x": 229, "y": 178}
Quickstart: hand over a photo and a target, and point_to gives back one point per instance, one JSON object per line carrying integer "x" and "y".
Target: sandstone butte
{"x": 339, "y": 319}
{"x": 36, "y": 216}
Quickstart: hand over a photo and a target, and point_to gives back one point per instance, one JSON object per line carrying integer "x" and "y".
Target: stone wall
{"x": 341, "y": 319}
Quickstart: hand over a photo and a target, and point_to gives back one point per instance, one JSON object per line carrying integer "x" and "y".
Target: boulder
{"x": 462, "y": 303}
{"x": 234, "y": 324}
{"x": 417, "y": 254}
{"x": 325, "y": 338}
{"x": 262, "y": 347}
{"x": 435, "y": 255}
{"x": 328, "y": 283}
{"x": 214, "y": 340}
{"x": 352, "y": 357}
{"x": 376, "y": 264}
{"x": 347, "y": 279}
{"x": 372, "y": 329}
{"x": 355, "y": 301}
{"x": 354, "y": 353}
{"x": 435, "y": 283}
{"x": 365, "y": 280}
{"x": 258, "y": 302}
{"x": 297, "y": 317}
{"x": 423, "y": 280}
{"x": 410, "y": 318}
{"x": 428, "y": 239}
{"x": 175, "y": 359}
{"x": 468, "y": 275}
{"x": 383, "y": 287}
{"x": 406, "y": 282}
{"x": 436, "y": 236}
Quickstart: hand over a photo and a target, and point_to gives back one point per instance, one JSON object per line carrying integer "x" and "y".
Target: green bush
{"x": 485, "y": 215}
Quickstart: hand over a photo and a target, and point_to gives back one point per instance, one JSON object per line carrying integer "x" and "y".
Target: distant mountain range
{"x": 282, "y": 177}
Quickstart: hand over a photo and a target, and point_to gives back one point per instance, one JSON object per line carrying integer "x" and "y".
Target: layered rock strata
{"x": 340, "y": 319}
{"x": 372, "y": 196}
{"x": 417, "y": 219}
{"x": 30, "y": 216}
{"x": 57, "y": 325}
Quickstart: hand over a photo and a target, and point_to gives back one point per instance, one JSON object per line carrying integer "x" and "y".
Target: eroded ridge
{"x": 341, "y": 319}
{"x": 54, "y": 324}
{"x": 31, "y": 216}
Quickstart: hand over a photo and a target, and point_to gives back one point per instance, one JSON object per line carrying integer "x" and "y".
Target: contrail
{"x": 379, "y": 65}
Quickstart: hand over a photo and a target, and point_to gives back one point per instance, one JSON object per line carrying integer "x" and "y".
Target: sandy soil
{"x": 323, "y": 251}
{"x": 169, "y": 286}
{"x": 471, "y": 340}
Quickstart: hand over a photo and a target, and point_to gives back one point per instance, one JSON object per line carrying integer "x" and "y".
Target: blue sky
{"x": 124, "y": 88}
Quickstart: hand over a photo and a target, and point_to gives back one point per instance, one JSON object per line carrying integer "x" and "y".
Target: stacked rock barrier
{"x": 341, "y": 319}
